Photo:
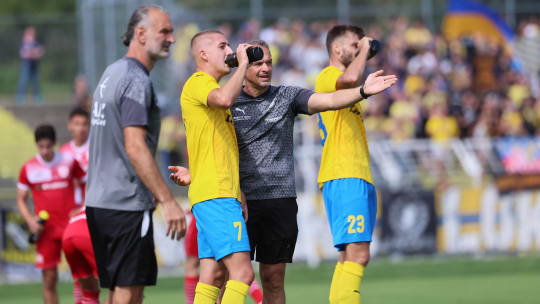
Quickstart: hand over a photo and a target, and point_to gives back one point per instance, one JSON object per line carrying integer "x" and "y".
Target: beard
{"x": 159, "y": 51}
{"x": 347, "y": 57}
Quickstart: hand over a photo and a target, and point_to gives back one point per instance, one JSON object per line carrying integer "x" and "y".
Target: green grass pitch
{"x": 431, "y": 280}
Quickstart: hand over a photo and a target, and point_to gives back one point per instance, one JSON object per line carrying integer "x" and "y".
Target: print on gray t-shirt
{"x": 264, "y": 128}
{"x": 124, "y": 97}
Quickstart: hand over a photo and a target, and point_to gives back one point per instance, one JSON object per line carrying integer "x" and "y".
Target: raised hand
{"x": 363, "y": 44}
{"x": 241, "y": 54}
{"x": 180, "y": 175}
{"x": 376, "y": 82}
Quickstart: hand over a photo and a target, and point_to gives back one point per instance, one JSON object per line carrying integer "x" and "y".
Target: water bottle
{"x": 43, "y": 217}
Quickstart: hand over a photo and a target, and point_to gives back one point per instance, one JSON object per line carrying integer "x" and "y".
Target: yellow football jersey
{"x": 343, "y": 136}
{"x": 211, "y": 143}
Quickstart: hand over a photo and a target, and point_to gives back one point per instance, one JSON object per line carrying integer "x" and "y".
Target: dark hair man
{"x": 345, "y": 176}
{"x": 49, "y": 176}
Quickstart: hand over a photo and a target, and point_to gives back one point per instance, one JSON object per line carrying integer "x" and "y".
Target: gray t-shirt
{"x": 124, "y": 97}
{"x": 264, "y": 128}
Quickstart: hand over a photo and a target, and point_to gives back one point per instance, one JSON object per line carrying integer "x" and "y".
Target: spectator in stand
{"x": 441, "y": 127}
{"x": 417, "y": 36}
{"x": 30, "y": 52}
{"x": 404, "y": 116}
{"x": 511, "y": 123}
{"x": 376, "y": 122}
{"x": 530, "y": 115}
{"x": 536, "y": 110}
{"x": 81, "y": 96}
{"x": 430, "y": 69}
{"x": 486, "y": 126}
{"x": 468, "y": 112}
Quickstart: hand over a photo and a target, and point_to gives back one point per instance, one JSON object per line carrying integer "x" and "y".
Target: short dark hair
{"x": 45, "y": 132}
{"x": 79, "y": 111}
{"x": 340, "y": 30}
{"x": 138, "y": 15}
{"x": 199, "y": 34}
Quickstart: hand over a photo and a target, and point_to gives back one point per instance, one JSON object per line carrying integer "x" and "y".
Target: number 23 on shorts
{"x": 239, "y": 225}
{"x": 352, "y": 220}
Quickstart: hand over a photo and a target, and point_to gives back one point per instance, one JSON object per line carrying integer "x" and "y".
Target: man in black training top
{"x": 263, "y": 118}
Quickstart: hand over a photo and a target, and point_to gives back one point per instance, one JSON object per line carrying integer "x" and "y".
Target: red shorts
{"x": 49, "y": 246}
{"x": 190, "y": 241}
{"x": 79, "y": 252}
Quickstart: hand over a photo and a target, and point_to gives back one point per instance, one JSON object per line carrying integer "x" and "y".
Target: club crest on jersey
{"x": 241, "y": 110}
{"x": 63, "y": 171}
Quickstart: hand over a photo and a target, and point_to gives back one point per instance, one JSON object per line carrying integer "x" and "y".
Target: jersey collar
{"x": 137, "y": 62}
{"x": 53, "y": 162}
{"x": 80, "y": 148}
{"x": 263, "y": 95}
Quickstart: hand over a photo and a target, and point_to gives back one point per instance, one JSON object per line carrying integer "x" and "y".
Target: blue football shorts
{"x": 221, "y": 228}
{"x": 351, "y": 207}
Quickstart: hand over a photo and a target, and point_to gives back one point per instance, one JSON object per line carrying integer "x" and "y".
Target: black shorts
{"x": 123, "y": 246}
{"x": 272, "y": 229}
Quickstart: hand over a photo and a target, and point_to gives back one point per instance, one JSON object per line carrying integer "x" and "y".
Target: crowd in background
{"x": 471, "y": 87}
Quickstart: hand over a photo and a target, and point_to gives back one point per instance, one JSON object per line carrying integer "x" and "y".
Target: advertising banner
{"x": 17, "y": 254}
{"x": 408, "y": 222}
{"x": 482, "y": 220}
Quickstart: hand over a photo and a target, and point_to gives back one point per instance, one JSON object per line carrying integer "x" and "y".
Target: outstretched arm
{"x": 375, "y": 83}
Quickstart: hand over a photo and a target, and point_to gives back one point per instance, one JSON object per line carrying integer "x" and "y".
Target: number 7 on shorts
{"x": 239, "y": 225}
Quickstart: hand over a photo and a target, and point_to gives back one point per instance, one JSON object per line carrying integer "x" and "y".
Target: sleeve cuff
{"x": 22, "y": 186}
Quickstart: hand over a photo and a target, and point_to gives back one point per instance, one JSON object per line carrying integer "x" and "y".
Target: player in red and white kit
{"x": 79, "y": 252}
{"x": 79, "y": 126}
{"x": 49, "y": 177}
{"x": 191, "y": 266}
{"x": 76, "y": 241}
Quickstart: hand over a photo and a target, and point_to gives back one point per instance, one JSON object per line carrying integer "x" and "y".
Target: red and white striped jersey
{"x": 51, "y": 184}
{"x": 80, "y": 154}
{"x": 77, "y": 226}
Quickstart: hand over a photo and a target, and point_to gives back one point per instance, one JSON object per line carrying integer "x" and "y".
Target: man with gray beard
{"x": 123, "y": 178}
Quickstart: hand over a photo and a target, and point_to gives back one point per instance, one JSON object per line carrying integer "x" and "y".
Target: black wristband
{"x": 362, "y": 93}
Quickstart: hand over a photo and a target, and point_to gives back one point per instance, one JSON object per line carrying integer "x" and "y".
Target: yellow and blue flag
{"x": 467, "y": 18}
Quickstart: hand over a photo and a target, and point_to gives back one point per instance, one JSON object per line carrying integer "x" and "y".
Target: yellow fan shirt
{"x": 211, "y": 143}
{"x": 343, "y": 136}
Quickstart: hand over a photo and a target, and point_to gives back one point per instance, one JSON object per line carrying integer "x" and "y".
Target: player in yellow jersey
{"x": 266, "y": 151}
{"x": 214, "y": 192}
{"x": 344, "y": 176}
